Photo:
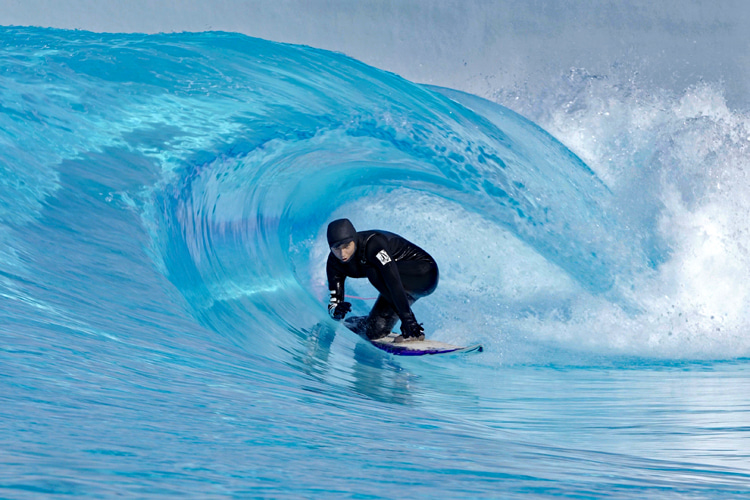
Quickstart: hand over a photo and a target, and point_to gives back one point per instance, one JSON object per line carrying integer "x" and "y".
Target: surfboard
{"x": 411, "y": 347}
{"x": 422, "y": 347}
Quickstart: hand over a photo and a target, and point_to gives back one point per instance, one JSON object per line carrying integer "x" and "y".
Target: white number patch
{"x": 383, "y": 257}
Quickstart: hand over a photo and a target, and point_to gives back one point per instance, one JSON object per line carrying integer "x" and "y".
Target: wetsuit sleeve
{"x": 336, "y": 277}
{"x": 379, "y": 256}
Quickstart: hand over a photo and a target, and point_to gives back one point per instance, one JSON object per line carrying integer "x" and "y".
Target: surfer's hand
{"x": 339, "y": 310}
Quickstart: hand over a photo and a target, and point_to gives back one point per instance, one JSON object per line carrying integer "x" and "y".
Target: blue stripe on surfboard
{"x": 420, "y": 348}
{"x": 400, "y": 351}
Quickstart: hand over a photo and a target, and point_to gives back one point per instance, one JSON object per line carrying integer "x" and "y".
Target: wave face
{"x": 163, "y": 203}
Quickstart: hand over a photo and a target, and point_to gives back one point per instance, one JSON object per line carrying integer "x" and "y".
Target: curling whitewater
{"x": 163, "y": 331}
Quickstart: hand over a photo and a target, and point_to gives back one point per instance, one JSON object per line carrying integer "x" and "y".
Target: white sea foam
{"x": 677, "y": 165}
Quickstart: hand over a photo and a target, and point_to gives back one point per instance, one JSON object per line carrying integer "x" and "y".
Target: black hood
{"x": 340, "y": 231}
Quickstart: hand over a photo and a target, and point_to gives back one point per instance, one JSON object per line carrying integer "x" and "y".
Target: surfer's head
{"x": 341, "y": 239}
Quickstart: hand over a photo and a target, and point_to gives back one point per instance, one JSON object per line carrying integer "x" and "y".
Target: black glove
{"x": 339, "y": 310}
{"x": 411, "y": 330}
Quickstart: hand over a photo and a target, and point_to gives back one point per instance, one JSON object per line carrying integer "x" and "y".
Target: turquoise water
{"x": 163, "y": 331}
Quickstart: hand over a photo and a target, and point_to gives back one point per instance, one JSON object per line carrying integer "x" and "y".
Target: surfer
{"x": 400, "y": 270}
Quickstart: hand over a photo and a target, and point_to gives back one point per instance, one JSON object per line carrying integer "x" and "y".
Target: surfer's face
{"x": 344, "y": 252}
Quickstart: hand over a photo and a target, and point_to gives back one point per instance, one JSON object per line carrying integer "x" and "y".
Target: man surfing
{"x": 400, "y": 270}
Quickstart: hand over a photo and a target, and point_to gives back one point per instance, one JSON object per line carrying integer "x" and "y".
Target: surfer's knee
{"x": 380, "y": 322}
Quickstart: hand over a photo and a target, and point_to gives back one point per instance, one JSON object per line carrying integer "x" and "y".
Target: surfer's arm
{"x": 380, "y": 257}
{"x": 336, "y": 277}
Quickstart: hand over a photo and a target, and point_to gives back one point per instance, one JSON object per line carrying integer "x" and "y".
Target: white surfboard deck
{"x": 421, "y": 347}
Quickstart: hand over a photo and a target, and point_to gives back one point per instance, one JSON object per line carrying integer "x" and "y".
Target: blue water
{"x": 163, "y": 331}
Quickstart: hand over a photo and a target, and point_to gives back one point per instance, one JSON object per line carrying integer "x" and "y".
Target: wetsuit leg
{"x": 381, "y": 320}
{"x": 419, "y": 278}
{"x": 356, "y": 324}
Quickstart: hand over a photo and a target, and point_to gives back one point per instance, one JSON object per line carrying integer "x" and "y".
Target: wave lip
{"x": 271, "y": 189}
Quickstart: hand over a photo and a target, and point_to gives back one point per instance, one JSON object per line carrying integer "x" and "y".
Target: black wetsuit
{"x": 401, "y": 271}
